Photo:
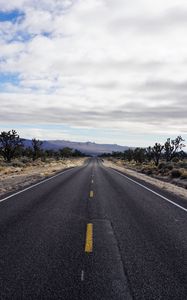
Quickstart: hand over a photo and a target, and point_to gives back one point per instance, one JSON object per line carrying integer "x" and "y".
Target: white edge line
{"x": 32, "y": 186}
{"x": 150, "y": 190}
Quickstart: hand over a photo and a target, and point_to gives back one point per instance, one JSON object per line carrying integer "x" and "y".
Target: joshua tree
{"x": 157, "y": 152}
{"x": 36, "y": 145}
{"x": 171, "y": 147}
{"x": 139, "y": 155}
{"x": 10, "y": 144}
{"x": 149, "y": 153}
{"x": 129, "y": 154}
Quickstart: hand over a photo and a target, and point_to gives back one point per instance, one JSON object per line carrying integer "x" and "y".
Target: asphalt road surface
{"x": 92, "y": 233}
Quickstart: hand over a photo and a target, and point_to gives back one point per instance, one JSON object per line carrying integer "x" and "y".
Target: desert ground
{"x": 163, "y": 179}
{"x": 21, "y": 173}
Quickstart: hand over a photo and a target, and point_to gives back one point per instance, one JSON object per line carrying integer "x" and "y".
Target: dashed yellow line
{"x": 89, "y": 238}
{"x": 91, "y": 194}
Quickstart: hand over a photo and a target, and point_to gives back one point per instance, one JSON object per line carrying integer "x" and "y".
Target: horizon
{"x": 118, "y": 80}
{"x": 93, "y": 142}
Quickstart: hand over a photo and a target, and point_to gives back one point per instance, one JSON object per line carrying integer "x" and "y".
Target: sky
{"x": 94, "y": 70}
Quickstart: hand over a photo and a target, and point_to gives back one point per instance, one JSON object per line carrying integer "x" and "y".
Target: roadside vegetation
{"x": 13, "y": 147}
{"x": 167, "y": 161}
{"x": 21, "y": 165}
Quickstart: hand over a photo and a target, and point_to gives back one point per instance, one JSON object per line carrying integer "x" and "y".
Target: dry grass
{"x": 161, "y": 179}
{"x": 19, "y": 174}
{"x": 165, "y": 170}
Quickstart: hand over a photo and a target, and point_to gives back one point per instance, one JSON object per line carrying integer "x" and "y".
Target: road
{"x": 92, "y": 233}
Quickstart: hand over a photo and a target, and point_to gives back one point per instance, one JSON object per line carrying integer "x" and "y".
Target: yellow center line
{"x": 89, "y": 238}
{"x": 91, "y": 194}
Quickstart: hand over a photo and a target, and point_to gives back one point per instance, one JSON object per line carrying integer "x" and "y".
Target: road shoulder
{"x": 15, "y": 179}
{"x": 164, "y": 186}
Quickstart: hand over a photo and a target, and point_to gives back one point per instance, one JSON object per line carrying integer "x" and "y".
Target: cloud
{"x": 164, "y": 85}
{"x": 154, "y": 23}
{"x": 95, "y": 64}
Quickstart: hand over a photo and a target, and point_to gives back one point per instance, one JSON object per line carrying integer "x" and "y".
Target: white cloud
{"x": 101, "y": 63}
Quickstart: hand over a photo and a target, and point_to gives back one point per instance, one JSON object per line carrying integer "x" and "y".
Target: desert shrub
{"x": 1, "y": 168}
{"x": 17, "y": 164}
{"x": 182, "y": 164}
{"x": 176, "y": 173}
{"x": 184, "y": 175}
{"x": 163, "y": 171}
{"x": 161, "y": 165}
{"x": 3, "y": 164}
{"x": 25, "y": 160}
{"x": 169, "y": 167}
{"x": 165, "y": 168}
{"x": 147, "y": 171}
{"x": 175, "y": 160}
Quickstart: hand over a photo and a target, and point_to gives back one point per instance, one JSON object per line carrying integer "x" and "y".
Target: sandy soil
{"x": 179, "y": 191}
{"x": 14, "y": 178}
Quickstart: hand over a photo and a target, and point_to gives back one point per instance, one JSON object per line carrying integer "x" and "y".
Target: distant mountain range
{"x": 87, "y": 147}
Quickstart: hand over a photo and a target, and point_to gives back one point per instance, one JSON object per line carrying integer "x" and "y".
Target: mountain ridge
{"x": 90, "y": 148}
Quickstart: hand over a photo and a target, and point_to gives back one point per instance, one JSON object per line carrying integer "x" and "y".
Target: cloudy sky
{"x": 99, "y": 70}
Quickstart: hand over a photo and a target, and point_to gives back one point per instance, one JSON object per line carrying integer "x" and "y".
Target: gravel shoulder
{"x": 176, "y": 190}
{"x": 16, "y": 178}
